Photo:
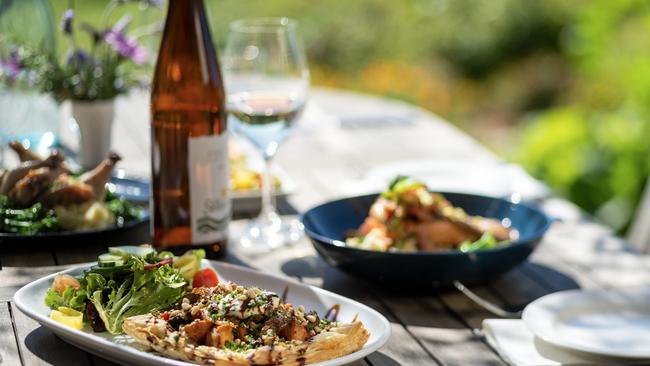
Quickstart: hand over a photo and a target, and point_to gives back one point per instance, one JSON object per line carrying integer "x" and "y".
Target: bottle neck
{"x": 186, "y": 9}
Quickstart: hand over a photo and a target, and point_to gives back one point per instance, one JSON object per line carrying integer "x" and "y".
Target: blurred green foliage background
{"x": 562, "y": 87}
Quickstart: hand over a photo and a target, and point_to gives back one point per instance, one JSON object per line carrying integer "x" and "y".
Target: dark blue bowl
{"x": 327, "y": 224}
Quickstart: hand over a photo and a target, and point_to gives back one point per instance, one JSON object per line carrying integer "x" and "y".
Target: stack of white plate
{"x": 610, "y": 323}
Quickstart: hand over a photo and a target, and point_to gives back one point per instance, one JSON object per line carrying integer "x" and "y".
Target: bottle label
{"x": 209, "y": 178}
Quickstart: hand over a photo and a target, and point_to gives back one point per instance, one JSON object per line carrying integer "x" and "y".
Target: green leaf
{"x": 487, "y": 241}
{"x": 138, "y": 292}
{"x": 71, "y": 298}
{"x": 399, "y": 185}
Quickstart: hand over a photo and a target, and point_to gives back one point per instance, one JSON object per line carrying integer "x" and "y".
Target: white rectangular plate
{"x": 121, "y": 349}
{"x": 250, "y": 202}
{"x": 136, "y": 188}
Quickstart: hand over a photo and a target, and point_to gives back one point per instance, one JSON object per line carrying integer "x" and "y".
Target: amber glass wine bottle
{"x": 188, "y": 137}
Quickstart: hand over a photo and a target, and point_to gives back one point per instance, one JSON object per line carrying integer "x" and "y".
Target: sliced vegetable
{"x": 126, "y": 250}
{"x": 165, "y": 254}
{"x": 110, "y": 260}
{"x": 68, "y": 316}
{"x": 111, "y": 272}
{"x": 189, "y": 263}
{"x": 205, "y": 278}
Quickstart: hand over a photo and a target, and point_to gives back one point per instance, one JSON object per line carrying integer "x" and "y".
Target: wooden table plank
{"x": 7, "y": 292}
{"x": 403, "y": 347}
{"x": 8, "y": 341}
{"x": 522, "y": 285}
{"x": 79, "y": 253}
{"x": 19, "y": 276}
{"x": 512, "y": 291}
{"x": 605, "y": 259}
{"x": 448, "y": 339}
{"x": 22, "y": 258}
{"x": 39, "y": 346}
{"x": 361, "y": 362}
{"x": 98, "y": 361}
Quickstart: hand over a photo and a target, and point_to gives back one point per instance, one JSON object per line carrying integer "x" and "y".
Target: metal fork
{"x": 485, "y": 304}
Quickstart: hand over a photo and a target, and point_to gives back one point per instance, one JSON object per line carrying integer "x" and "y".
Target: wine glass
{"x": 267, "y": 82}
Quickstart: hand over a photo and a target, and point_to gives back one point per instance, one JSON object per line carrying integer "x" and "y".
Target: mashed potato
{"x": 91, "y": 215}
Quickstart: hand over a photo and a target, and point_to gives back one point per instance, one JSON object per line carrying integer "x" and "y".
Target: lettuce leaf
{"x": 140, "y": 291}
{"x": 487, "y": 241}
{"x": 400, "y": 185}
{"x": 71, "y": 298}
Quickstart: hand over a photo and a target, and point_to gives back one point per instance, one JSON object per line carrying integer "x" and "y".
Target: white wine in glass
{"x": 267, "y": 83}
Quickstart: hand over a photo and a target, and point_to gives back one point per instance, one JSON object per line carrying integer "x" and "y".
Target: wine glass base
{"x": 261, "y": 235}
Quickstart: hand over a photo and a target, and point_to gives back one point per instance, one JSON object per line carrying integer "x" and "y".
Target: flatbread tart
{"x": 236, "y": 325}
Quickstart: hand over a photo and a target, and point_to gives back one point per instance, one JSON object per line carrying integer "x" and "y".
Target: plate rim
{"x": 145, "y": 215}
{"x": 543, "y": 328}
{"x": 67, "y": 333}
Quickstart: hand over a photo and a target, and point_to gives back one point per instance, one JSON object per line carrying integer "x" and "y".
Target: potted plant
{"x": 90, "y": 78}
{"x": 26, "y": 111}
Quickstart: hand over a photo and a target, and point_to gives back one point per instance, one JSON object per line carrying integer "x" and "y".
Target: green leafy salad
{"x": 408, "y": 217}
{"x": 37, "y": 219}
{"x": 126, "y": 281}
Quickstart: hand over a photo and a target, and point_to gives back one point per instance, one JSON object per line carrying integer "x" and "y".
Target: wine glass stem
{"x": 268, "y": 212}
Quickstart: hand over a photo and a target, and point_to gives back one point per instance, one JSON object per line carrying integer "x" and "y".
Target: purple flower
{"x": 126, "y": 47}
{"x": 77, "y": 57}
{"x": 11, "y": 67}
{"x": 66, "y": 22}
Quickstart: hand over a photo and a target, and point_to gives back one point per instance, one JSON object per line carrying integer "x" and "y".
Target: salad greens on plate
{"x": 37, "y": 219}
{"x": 126, "y": 281}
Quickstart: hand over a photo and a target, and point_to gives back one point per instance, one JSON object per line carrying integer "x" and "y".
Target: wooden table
{"x": 344, "y": 136}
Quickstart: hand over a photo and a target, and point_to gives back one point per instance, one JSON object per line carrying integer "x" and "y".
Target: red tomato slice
{"x": 165, "y": 315}
{"x": 205, "y": 278}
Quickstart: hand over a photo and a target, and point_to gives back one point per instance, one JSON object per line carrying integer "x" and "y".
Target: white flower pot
{"x": 95, "y": 120}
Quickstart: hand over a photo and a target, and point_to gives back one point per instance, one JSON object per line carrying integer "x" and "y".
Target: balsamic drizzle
{"x": 335, "y": 309}
{"x": 285, "y": 293}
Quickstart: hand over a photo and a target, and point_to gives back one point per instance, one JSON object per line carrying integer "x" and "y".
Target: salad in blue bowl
{"x": 408, "y": 234}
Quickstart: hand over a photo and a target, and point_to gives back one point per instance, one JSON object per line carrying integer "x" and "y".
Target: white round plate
{"x": 121, "y": 349}
{"x": 485, "y": 177}
{"x": 614, "y": 323}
